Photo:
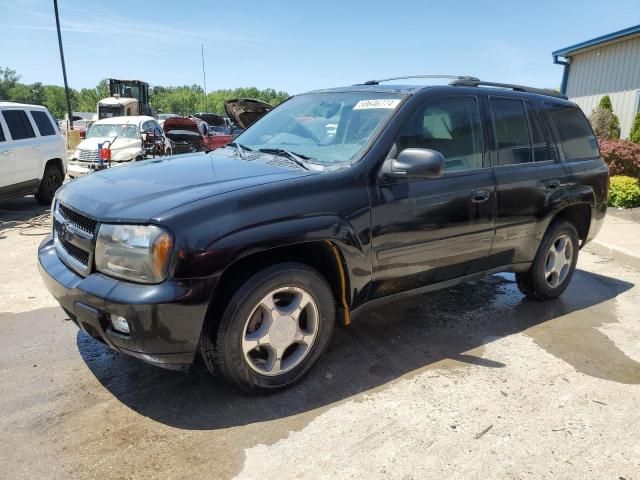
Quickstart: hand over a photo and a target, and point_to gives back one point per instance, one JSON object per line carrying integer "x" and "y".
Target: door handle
{"x": 479, "y": 196}
{"x": 36, "y": 147}
{"x": 5, "y": 153}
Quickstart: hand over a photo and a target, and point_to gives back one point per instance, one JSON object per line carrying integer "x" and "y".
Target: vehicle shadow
{"x": 24, "y": 215}
{"x": 395, "y": 340}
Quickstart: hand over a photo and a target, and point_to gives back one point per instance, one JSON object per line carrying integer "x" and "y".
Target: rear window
{"x": 576, "y": 137}
{"x": 19, "y": 124}
{"x": 42, "y": 121}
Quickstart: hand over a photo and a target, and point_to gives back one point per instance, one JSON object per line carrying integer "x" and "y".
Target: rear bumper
{"x": 165, "y": 320}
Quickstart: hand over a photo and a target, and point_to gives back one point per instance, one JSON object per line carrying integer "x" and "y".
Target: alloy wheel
{"x": 280, "y": 331}
{"x": 559, "y": 260}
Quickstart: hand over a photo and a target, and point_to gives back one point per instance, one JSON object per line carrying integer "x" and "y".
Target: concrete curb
{"x": 621, "y": 256}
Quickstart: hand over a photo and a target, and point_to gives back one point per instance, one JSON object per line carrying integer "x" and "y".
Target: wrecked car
{"x": 192, "y": 134}
{"x": 127, "y": 139}
{"x": 244, "y": 112}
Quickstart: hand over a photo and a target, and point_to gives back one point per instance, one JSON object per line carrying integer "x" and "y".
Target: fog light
{"x": 119, "y": 324}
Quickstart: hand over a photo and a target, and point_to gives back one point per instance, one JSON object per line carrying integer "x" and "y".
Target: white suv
{"x": 32, "y": 152}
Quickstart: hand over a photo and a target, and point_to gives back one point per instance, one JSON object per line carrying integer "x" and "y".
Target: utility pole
{"x": 64, "y": 70}
{"x": 204, "y": 78}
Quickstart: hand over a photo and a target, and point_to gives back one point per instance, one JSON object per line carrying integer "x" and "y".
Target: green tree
{"x": 33, "y": 93}
{"x": 8, "y": 80}
{"x": 56, "y": 101}
{"x": 614, "y": 126}
{"x": 184, "y": 100}
{"x": 88, "y": 98}
{"x": 634, "y": 135}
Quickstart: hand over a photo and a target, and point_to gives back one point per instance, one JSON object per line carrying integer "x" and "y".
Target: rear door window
{"x": 511, "y": 129}
{"x": 42, "y": 121}
{"x": 539, "y": 142}
{"x": 576, "y": 137}
{"x": 19, "y": 124}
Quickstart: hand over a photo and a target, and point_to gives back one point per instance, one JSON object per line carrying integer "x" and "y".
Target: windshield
{"x": 129, "y": 90}
{"x": 112, "y": 130}
{"x": 329, "y": 128}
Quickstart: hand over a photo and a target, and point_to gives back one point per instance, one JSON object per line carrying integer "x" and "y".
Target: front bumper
{"x": 165, "y": 320}
{"x": 77, "y": 168}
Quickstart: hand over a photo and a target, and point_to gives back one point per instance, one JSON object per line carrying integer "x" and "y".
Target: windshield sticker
{"x": 389, "y": 103}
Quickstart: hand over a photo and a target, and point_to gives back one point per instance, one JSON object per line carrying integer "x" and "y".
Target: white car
{"x": 32, "y": 152}
{"x": 126, "y": 137}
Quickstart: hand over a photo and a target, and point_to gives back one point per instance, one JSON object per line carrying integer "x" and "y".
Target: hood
{"x": 142, "y": 191}
{"x": 211, "y": 118}
{"x": 245, "y": 111}
{"x": 120, "y": 142}
{"x": 181, "y": 123}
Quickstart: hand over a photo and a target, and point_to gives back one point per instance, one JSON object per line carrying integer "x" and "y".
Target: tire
{"x": 538, "y": 283}
{"x": 51, "y": 181}
{"x": 227, "y": 346}
{"x": 138, "y": 159}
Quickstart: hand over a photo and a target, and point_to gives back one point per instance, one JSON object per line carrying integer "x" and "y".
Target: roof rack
{"x": 474, "y": 82}
{"x": 451, "y": 77}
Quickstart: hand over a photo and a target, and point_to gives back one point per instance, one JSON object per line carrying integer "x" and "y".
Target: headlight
{"x": 53, "y": 212}
{"x": 140, "y": 253}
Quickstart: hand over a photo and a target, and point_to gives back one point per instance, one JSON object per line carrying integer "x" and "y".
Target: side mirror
{"x": 415, "y": 162}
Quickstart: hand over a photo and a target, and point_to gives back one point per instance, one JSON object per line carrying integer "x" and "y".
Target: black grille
{"x": 75, "y": 252}
{"x": 83, "y": 223}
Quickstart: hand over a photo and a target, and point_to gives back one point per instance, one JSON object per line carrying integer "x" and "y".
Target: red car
{"x": 191, "y": 134}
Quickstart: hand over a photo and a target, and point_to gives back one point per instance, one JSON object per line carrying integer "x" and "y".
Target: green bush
{"x": 624, "y": 192}
{"x": 634, "y": 136}
{"x": 604, "y": 122}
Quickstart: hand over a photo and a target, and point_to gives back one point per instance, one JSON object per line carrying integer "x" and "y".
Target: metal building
{"x": 607, "y": 65}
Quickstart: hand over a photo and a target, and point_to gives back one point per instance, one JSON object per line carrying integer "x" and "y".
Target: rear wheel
{"x": 273, "y": 330}
{"x": 50, "y": 183}
{"x": 555, "y": 262}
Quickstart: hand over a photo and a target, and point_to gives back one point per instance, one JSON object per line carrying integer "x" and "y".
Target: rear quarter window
{"x": 19, "y": 124}
{"x": 576, "y": 137}
{"x": 2, "y": 137}
{"x": 42, "y": 121}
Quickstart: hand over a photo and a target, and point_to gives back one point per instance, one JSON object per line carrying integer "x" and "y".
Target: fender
{"x": 236, "y": 245}
{"x": 565, "y": 197}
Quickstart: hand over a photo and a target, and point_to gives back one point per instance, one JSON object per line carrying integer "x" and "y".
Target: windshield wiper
{"x": 240, "y": 149}
{"x": 296, "y": 158}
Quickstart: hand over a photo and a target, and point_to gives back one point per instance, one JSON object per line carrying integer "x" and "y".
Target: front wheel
{"x": 273, "y": 330}
{"x": 554, "y": 264}
{"x": 50, "y": 183}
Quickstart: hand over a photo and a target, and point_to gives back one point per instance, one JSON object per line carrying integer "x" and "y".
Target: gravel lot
{"x": 471, "y": 382}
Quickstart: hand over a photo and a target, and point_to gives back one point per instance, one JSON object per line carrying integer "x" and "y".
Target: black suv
{"x": 334, "y": 200}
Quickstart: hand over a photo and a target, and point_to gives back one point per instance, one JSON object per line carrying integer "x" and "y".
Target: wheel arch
{"x": 579, "y": 215}
{"x": 325, "y": 256}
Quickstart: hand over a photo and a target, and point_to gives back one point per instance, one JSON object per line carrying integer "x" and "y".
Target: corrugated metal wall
{"x": 612, "y": 70}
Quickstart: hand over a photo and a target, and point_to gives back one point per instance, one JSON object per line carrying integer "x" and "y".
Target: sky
{"x": 300, "y": 45}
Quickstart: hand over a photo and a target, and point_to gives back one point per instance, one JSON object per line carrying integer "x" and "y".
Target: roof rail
{"x": 451, "y": 77}
{"x": 469, "y": 82}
